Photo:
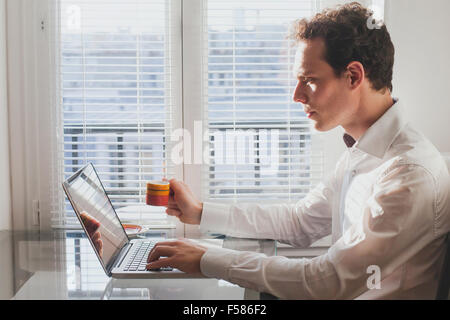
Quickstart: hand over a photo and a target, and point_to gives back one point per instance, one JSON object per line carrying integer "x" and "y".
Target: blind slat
{"x": 115, "y": 95}
{"x": 249, "y": 87}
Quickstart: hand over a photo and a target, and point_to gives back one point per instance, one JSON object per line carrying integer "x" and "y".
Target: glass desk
{"x": 62, "y": 265}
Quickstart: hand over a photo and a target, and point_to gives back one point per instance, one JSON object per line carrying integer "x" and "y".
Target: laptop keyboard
{"x": 137, "y": 260}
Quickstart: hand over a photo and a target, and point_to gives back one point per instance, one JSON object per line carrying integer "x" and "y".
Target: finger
{"x": 91, "y": 227}
{"x": 96, "y": 236}
{"x": 173, "y": 212}
{"x": 171, "y": 201}
{"x": 175, "y": 185}
{"x": 158, "y": 251}
{"x": 83, "y": 215}
{"x": 172, "y": 182}
{"x": 173, "y": 208}
{"x": 172, "y": 205}
{"x": 87, "y": 217}
{"x": 161, "y": 263}
{"x": 90, "y": 223}
{"x": 99, "y": 245}
{"x": 170, "y": 243}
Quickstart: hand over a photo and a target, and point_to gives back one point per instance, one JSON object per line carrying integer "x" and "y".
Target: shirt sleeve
{"x": 397, "y": 222}
{"x": 299, "y": 224}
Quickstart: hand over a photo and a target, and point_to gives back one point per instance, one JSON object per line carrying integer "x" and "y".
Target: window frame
{"x": 193, "y": 55}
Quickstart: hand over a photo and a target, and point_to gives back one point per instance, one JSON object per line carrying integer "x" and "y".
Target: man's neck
{"x": 370, "y": 109}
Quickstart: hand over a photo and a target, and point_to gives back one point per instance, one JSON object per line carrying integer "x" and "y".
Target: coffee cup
{"x": 157, "y": 193}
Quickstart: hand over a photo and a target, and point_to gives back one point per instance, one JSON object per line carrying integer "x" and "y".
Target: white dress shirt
{"x": 387, "y": 206}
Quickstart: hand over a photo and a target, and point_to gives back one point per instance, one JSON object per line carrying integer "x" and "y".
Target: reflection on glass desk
{"x": 63, "y": 265}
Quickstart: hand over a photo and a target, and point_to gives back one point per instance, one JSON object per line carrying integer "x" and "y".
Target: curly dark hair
{"x": 347, "y": 36}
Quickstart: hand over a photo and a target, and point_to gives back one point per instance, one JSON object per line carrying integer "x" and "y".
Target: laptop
{"x": 120, "y": 256}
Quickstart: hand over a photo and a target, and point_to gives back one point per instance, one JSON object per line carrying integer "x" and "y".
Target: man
{"x": 386, "y": 204}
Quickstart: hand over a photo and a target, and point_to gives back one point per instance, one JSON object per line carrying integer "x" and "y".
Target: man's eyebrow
{"x": 305, "y": 74}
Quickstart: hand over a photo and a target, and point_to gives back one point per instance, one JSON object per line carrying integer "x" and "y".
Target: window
{"x": 117, "y": 99}
{"x": 260, "y": 141}
{"x": 116, "y": 95}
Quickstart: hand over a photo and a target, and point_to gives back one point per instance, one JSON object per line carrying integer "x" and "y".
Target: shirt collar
{"x": 378, "y": 138}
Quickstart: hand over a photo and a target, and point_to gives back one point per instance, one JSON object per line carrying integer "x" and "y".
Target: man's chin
{"x": 321, "y": 127}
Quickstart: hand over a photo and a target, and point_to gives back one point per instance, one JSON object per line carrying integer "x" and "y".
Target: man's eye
{"x": 306, "y": 80}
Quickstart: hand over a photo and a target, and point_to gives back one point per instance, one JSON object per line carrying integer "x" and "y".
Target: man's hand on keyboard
{"x": 181, "y": 254}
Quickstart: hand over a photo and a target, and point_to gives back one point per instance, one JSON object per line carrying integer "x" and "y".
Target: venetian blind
{"x": 261, "y": 145}
{"x": 115, "y": 101}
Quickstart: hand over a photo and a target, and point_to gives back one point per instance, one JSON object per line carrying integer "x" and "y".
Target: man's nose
{"x": 299, "y": 93}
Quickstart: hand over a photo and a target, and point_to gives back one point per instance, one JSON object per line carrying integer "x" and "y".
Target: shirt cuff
{"x": 216, "y": 262}
{"x": 215, "y": 217}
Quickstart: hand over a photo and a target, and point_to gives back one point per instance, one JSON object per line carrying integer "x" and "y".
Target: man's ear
{"x": 355, "y": 74}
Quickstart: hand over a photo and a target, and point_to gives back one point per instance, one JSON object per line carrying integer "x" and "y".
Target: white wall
{"x": 5, "y": 189}
{"x": 27, "y": 117}
{"x": 420, "y": 33}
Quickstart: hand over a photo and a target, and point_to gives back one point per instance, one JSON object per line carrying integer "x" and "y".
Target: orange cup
{"x": 157, "y": 193}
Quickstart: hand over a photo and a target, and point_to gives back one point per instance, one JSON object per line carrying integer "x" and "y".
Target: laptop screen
{"x": 96, "y": 213}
